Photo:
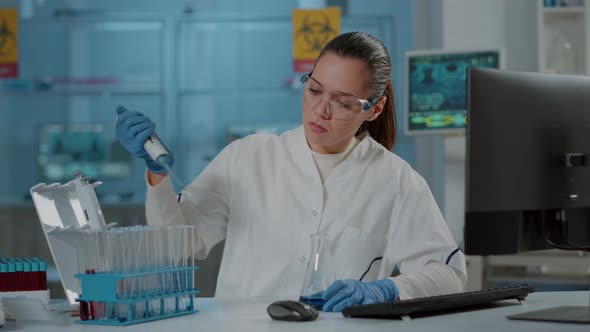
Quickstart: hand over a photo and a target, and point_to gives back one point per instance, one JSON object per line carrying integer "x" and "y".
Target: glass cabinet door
{"x": 60, "y": 112}
{"x": 234, "y": 75}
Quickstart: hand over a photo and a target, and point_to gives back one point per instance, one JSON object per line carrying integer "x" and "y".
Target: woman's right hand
{"x": 133, "y": 129}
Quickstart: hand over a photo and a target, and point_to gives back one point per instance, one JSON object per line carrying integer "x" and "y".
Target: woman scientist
{"x": 266, "y": 194}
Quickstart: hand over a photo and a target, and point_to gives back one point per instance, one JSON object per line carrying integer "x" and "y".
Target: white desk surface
{"x": 250, "y": 315}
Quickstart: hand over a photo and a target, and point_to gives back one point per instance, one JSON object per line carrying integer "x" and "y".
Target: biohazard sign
{"x": 8, "y": 43}
{"x": 312, "y": 30}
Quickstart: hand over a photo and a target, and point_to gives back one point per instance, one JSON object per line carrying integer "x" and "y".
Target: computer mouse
{"x": 293, "y": 311}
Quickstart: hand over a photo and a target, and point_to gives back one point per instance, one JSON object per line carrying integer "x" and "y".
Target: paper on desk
{"x": 23, "y": 309}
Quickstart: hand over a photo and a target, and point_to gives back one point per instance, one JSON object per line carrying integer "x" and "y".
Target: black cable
{"x": 370, "y": 265}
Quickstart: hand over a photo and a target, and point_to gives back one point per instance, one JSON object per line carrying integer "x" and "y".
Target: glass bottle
{"x": 316, "y": 276}
{"x": 563, "y": 54}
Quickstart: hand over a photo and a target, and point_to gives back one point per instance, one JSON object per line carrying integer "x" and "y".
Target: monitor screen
{"x": 436, "y": 88}
{"x": 527, "y": 162}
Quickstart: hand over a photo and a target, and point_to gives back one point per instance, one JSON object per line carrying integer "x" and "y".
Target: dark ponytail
{"x": 383, "y": 128}
{"x": 370, "y": 50}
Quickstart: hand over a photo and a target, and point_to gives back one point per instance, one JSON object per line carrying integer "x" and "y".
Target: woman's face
{"x": 334, "y": 80}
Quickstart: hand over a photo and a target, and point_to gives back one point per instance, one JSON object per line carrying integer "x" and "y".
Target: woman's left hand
{"x": 344, "y": 293}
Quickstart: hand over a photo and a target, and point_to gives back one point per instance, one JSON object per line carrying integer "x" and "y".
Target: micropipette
{"x": 152, "y": 145}
{"x": 156, "y": 150}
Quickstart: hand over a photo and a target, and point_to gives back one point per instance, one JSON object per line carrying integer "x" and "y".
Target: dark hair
{"x": 370, "y": 50}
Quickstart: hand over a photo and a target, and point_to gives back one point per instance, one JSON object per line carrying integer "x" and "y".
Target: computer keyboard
{"x": 437, "y": 304}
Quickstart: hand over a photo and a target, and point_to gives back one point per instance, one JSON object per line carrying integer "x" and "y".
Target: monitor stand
{"x": 564, "y": 314}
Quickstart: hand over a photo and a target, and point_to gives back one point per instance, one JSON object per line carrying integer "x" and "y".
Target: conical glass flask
{"x": 316, "y": 276}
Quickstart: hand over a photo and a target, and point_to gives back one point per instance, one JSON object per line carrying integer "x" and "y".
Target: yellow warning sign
{"x": 8, "y": 43}
{"x": 312, "y": 30}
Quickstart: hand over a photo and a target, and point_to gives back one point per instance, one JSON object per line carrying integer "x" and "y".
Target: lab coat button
{"x": 302, "y": 259}
{"x": 314, "y": 213}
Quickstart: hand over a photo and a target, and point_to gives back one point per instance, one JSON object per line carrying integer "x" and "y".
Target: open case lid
{"x": 63, "y": 210}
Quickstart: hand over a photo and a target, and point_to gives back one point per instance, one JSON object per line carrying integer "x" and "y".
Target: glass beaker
{"x": 316, "y": 276}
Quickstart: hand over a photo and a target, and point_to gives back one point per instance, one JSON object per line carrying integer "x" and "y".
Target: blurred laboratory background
{"x": 211, "y": 71}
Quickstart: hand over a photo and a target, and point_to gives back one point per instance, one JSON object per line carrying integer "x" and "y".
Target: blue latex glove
{"x": 344, "y": 293}
{"x": 133, "y": 129}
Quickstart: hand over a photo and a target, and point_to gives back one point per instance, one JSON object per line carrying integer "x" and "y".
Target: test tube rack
{"x": 102, "y": 288}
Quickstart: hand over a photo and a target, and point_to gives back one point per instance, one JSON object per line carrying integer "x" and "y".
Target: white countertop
{"x": 250, "y": 315}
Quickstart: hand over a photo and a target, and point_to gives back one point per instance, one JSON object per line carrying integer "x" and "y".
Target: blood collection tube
{"x": 33, "y": 275}
{"x": 35, "y": 283}
{"x": 43, "y": 274}
{"x": 85, "y": 307}
{"x": 3, "y": 276}
{"x": 11, "y": 276}
{"x": 19, "y": 275}
{"x": 26, "y": 275}
{"x": 83, "y": 310}
{"x": 92, "y": 312}
{"x": 23, "y": 274}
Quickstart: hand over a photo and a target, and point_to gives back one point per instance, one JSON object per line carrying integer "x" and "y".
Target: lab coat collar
{"x": 302, "y": 155}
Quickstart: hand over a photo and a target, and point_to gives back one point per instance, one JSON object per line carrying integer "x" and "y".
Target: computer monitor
{"x": 527, "y": 162}
{"x": 435, "y": 95}
{"x": 528, "y": 168}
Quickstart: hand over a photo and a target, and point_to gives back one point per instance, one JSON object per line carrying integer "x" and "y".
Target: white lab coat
{"x": 263, "y": 194}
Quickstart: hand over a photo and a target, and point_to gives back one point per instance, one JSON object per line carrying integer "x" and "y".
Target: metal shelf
{"x": 564, "y": 10}
{"x": 78, "y": 91}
